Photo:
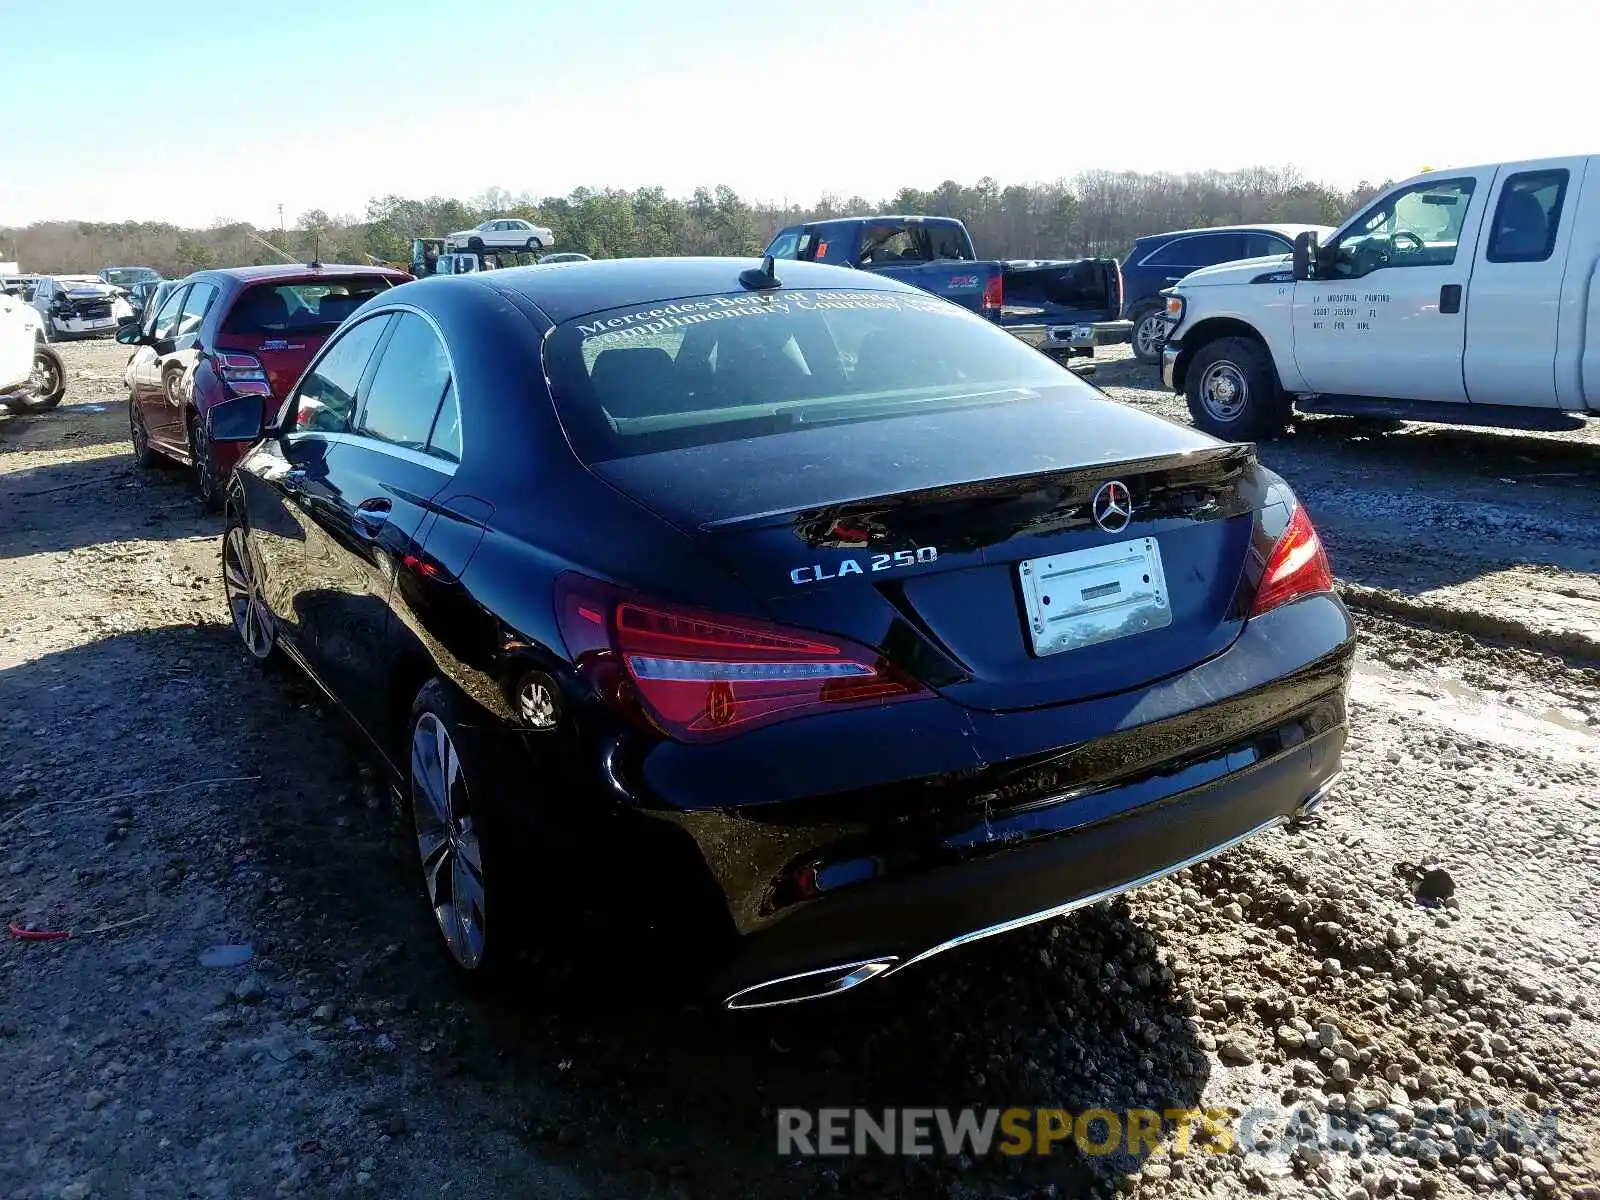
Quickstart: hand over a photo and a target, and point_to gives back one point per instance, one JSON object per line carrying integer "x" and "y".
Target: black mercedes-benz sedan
{"x": 798, "y": 604}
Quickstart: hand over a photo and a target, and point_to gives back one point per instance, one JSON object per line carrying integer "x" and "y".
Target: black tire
{"x": 532, "y": 246}
{"x": 207, "y": 487}
{"x": 1148, "y": 323}
{"x": 46, "y": 386}
{"x": 247, "y": 608}
{"x": 475, "y": 245}
{"x": 139, "y": 435}
{"x": 1234, "y": 393}
{"x": 482, "y": 947}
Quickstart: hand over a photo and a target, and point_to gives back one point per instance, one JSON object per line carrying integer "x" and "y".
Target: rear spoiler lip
{"x": 1240, "y": 452}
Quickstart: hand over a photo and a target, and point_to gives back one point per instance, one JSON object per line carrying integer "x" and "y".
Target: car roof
{"x": 584, "y": 287}
{"x": 1290, "y": 230}
{"x": 903, "y": 218}
{"x": 295, "y": 272}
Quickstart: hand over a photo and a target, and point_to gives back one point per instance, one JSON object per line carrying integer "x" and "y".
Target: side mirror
{"x": 128, "y": 332}
{"x": 1306, "y": 252}
{"x": 242, "y": 419}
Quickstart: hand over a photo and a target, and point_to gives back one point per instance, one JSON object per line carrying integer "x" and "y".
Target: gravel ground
{"x": 1315, "y": 978}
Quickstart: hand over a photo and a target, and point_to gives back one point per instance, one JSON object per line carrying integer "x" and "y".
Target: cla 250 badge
{"x": 855, "y": 566}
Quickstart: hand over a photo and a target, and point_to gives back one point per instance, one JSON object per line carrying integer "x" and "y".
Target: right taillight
{"x": 243, "y": 374}
{"x": 699, "y": 676}
{"x": 1298, "y": 566}
{"x": 994, "y": 293}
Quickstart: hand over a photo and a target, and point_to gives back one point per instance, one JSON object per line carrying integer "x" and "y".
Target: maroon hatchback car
{"x": 225, "y": 333}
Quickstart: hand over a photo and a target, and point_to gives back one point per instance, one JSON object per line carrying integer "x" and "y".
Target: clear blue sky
{"x": 326, "y": 103}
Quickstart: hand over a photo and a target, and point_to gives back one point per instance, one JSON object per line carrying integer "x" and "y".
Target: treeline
{"x": 1094, "y": 212}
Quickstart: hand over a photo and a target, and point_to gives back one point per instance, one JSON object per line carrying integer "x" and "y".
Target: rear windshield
{"x": 311, "y": 307}
{"x": 724, "y": 368}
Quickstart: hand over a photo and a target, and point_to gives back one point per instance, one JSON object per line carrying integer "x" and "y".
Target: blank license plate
{"x": 1092, "y": 596}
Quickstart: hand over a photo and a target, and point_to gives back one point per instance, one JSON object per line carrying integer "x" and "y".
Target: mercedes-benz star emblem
{"x": 1113, "y": 506}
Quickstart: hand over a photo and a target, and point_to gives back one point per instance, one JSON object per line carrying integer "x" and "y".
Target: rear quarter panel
{"x": 960, "y": 282}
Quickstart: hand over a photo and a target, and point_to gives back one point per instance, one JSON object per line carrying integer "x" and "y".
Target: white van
{"x": 1465, "y": 296}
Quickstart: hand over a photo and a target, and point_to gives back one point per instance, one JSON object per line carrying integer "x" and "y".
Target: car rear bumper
{"x": 857, "y": 844}
{"x": 1072, "y": 336}
{"x": 879, "y": 930}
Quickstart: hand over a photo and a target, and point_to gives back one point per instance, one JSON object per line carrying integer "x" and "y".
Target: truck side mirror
{"x": 1305, "y": 255}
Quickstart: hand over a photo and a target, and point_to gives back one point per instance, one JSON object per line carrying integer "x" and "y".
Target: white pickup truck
{"x": 1465, "y": 296}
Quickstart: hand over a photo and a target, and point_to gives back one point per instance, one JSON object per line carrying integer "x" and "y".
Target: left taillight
{"x": 698, "y": 676}
{"x": 242, "y": 373}
{"x": 1297, "y": 566}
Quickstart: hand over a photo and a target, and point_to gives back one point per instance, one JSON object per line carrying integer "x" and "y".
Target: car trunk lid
{"x": 282, "y": 356}
{"x": 810, "y": 522}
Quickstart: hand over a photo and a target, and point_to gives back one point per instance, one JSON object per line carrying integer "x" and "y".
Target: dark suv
{"x": 1161, "y": 259}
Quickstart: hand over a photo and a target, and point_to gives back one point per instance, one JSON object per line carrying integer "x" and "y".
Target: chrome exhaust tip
{"x": 1312, "y": 802}
{"x": 808, "y": 985}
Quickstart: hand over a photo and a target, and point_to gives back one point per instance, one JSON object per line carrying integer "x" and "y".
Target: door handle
{"x": 1450, "y": 298}
{"x": 370, "y": 516}
{"x": 1174, "y": 278}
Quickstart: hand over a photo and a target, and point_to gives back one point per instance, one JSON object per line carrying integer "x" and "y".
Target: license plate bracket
{"x": 1086, "y": 597}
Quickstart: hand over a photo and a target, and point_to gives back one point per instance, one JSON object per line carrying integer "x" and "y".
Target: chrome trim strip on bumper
{"x": 1062, "y": 910}
{"x": 853, "y": 974}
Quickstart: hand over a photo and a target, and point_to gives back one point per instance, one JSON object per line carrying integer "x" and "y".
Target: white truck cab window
{"x": 1419, "y": 226}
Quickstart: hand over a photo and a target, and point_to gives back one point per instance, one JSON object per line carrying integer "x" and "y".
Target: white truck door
{"x": 1515, "y": 309}
{"x": 1386, "y": 315}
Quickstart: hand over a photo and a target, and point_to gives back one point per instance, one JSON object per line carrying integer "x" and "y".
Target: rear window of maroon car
{"x": 311, "y": 306}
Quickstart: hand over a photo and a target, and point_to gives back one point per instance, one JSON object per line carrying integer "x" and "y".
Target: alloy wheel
{"x": 137, "y": 430}
{"x": 205, "y": 477}
{"x": 447, "y": 841}
{"x": 245, "y": 604}
{"x": 1150, "y": 336}
{"x": 44, "y": 379}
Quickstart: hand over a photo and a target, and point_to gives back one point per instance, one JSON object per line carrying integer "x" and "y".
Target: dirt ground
{"x": 177, "y": 811}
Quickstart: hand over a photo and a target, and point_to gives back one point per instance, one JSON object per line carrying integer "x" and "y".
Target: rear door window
{"x": 1259, "y": 245}
{"x": 403, "y": 398}
{"x": 325, "y": 402}
{"x": 1528, "y": 217}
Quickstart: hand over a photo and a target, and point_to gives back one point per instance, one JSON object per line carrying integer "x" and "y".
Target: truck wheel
{"x": 1149, "y": 335}
{"x": 1234, "y": 393}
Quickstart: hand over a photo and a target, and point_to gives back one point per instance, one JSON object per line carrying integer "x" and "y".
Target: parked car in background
{"x": 502, "y": 233}
{"x": 75, "y": 306}
{"x": 1160, "y": 260}
{"x": 126, "y": 277}
{"x": 822, "y": 625}
{"x": 20, "y": 286}
{"x": 32, "y": 378}
{"x": 1062, "y": 307}
{"x": 564, "y": 256}
{"x": 242, "y": 331}
{"x": 1463, "y": 296}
